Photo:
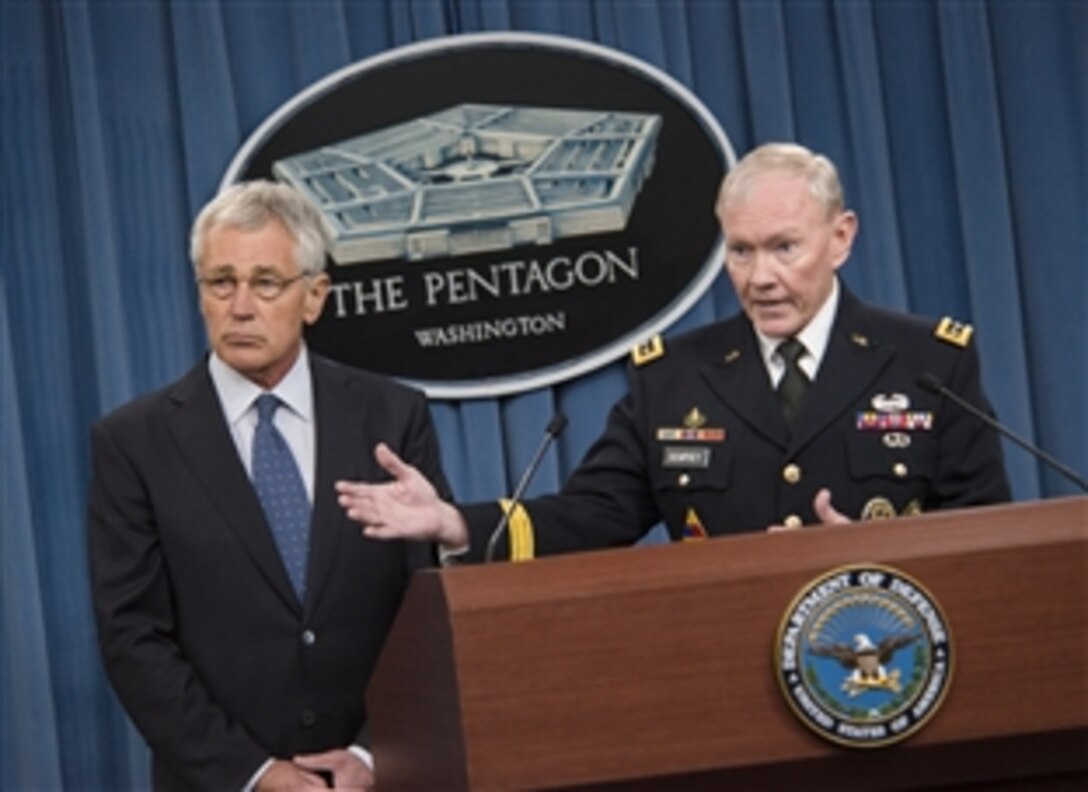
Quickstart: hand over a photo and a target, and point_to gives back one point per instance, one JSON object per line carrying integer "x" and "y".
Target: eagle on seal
{"x": 866, "y": 661}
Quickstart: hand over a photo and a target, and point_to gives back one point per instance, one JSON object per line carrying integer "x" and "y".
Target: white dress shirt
{"x": 814, "y": 336}
{"x": 294, "y": 418}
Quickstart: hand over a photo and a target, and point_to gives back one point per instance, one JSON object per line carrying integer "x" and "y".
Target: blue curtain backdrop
{"x": 959, "y": 127}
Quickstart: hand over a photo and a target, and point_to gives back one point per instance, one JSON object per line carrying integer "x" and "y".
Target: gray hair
{"x": 249, "y": 206}
{"x": 817, "y": 171}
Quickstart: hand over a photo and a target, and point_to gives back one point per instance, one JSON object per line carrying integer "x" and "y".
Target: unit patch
{"x": 864, "y": 656}
{"x": 693, "y": 527}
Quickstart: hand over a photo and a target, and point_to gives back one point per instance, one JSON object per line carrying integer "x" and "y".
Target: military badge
{"x": 891, "y": 403}
{"x": 694, "y": 419}
{"x": 873, "y": 421}
{"x": 913, "y": 508}
{"x": 895, "y": 439}
{"x": 672, "y": 434}
{"x": 878, "y": 508}
{"x": 693, "y": 429}
{"x": 864, "y": 656}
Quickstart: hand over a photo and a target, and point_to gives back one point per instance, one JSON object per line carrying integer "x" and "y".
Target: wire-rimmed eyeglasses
{"x": 265, "y": 287}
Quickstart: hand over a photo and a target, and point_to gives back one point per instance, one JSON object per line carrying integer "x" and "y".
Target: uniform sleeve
{"x": 606, "y": 502}
{"x": 970, "y": 465}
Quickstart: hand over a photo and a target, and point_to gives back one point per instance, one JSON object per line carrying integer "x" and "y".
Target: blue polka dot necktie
{"x": 282, "y": 493}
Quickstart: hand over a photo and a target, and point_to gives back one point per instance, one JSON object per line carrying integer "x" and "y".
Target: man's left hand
{"x": 827, "y": 514}
{"x": 348, "y": 770}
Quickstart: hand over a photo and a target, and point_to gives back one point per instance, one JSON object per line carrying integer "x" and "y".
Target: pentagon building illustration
{"x": 475, "y": 178}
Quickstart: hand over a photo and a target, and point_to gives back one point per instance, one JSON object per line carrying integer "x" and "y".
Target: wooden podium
{"x": 651, "y": 667}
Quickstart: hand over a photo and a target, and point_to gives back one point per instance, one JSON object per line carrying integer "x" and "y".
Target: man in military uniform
{"x": 804, "y": 408}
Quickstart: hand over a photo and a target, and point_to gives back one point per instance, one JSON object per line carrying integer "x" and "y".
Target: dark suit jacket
{"x": 215, "y": 660}
{"x": 755, "y": 472}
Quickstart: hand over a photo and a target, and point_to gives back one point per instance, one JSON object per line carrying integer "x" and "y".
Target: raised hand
{"x": 408, "y": 507}
{"x": 827, "y": 514}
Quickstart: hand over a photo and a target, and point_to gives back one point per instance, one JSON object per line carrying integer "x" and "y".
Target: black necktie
{"x": 791, "y": 388}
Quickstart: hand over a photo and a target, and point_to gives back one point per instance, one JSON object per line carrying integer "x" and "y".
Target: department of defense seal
{"x": 864, "y": 656}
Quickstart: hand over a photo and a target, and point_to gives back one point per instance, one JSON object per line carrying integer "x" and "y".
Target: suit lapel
{"x": 339, "y": 450}
{"x": 854, "y": 359}
{"x": 203, "y": 438}
{"x": 739, "y": 377}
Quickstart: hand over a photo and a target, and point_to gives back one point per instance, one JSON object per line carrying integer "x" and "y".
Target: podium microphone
{"x": 930, "y": 383}
{"x": 555, "y": 427}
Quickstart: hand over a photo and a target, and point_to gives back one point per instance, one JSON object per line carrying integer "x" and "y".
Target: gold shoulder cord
{"x": 520, "y": 528}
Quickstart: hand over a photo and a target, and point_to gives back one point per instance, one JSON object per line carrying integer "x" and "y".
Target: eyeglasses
{"x": 264, "y": 287}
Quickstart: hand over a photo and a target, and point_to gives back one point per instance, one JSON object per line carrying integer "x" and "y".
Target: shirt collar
{"x": 815, "y": 335}
{"x": 237, "y": 393}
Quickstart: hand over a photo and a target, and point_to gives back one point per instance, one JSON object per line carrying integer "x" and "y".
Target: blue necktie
{"x": 282, "y": 493}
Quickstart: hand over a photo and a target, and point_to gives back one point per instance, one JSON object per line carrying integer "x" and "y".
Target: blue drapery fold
{"x": 959, "y": 129}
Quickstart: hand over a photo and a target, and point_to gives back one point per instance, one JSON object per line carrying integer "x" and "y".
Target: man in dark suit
{"x": 804, "y": 408}
{"x": 240, "y": 612}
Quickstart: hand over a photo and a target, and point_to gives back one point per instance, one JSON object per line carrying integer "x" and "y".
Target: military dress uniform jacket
{"x": 700, "y": 443}
{"x": 215, "y": 659}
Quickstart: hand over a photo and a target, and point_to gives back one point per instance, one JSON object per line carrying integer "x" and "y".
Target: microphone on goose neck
{"x": 555, "y": 427}
{"x": 932, "y": 384}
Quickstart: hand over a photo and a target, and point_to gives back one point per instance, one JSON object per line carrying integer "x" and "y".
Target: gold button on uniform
{"x": 792, "y": 521}
{"x": 683, "y": 479}
{"x": 899, "y": 469}
{"x": 791, "y": 473}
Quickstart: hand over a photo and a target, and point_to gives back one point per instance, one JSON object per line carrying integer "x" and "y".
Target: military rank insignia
{"x": 864, "y": 656}
{"x": 954, "y": 332}
{"x": 649, "y": 350}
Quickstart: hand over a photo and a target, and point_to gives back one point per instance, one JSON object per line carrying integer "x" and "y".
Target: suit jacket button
{"x": 309, "y": 637}
{"x": 792, "y": 521}
{"x": 899, "y": 469}
{"x": 791, "y": 473}
{"x": 308, "y": 717}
